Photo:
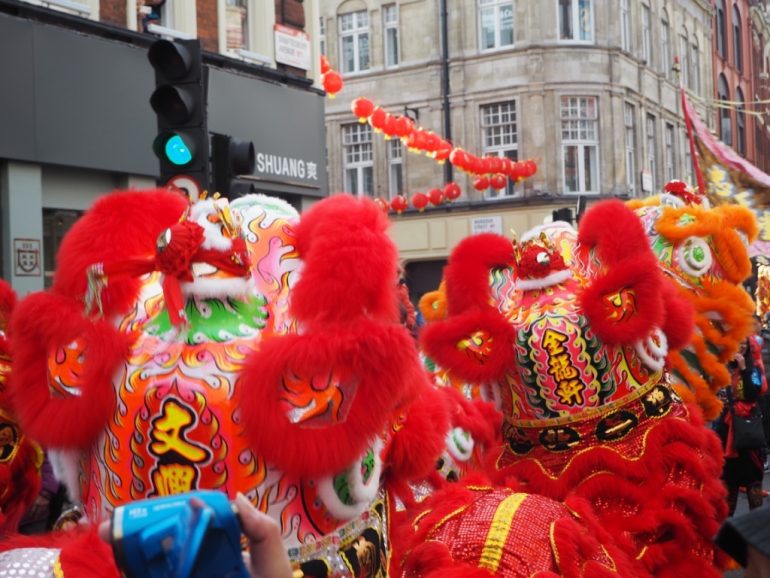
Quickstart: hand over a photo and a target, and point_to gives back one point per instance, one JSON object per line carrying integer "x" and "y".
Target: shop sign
{"x": 26, "y": 258}
{"x": 292, "y": 47}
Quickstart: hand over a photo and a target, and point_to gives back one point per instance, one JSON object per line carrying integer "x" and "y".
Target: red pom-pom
{"x": 177, "y": 246}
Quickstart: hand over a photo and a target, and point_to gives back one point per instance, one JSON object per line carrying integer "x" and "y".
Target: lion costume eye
{"x": 694, "y": 256}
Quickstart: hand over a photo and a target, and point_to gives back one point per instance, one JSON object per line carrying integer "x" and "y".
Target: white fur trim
{"x": 268, "y": 204}
{"x": 688, "y": 266}
{"x": 66, "y": 469}
{"x": 233, "y": 287}
{"x": 553, "y": 279}
{"x": 460, "y": 444}
{"x": 651, "y": 352}
{"x": 363, "y": 494}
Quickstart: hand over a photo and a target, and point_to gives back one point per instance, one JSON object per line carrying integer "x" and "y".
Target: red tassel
{"x": 177, "y": 247}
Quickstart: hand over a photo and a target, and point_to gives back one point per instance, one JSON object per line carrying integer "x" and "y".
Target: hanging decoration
{"x": 332, "y": 82}
{"x": 452, "y": 191}
{"x": 420, "y": 201}
{"x": 436, "y": 197}
{"x": 399, "y": 204}
{"x": 382, "y": 204}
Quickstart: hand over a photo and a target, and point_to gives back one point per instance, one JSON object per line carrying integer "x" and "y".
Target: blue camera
{"x": 193, "y": 535}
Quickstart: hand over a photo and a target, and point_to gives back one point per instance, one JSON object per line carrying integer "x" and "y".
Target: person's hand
{"x": 268, "y": 558}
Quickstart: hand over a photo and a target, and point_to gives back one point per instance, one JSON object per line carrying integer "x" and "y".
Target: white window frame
{"x": 665, "y": 45}
{"x": 395, "y": 167}
{"x": 651, "y": 136}
{"x": 670, "y": 150}
{"x": 357, "y": 141}
{"x": 575, "y": 24}
{"x": 625, "y": 25}
{"x": 496, "y": 6}
{"x": 629, "y": 135}
{"x": 387, "y": 26}
{"x": 506, "y": 133}
{"x": 647, "y": 51}
{"x": 582, "y": 144}
{"x": 247, "y": 38}
{"x": 356, "y": 32}
{"x": 688, "y": 166}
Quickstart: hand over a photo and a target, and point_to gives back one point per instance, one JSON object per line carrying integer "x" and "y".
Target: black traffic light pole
{"x": 230, "y": 158}
{"x": 179, "y": 101}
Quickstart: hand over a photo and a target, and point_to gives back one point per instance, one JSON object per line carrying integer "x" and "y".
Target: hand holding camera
{"x": 195, "y": 535}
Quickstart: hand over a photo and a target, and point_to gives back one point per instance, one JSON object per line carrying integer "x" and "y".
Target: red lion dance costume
{"x": 571, "y": 332}
{"x": 234, "y": 347}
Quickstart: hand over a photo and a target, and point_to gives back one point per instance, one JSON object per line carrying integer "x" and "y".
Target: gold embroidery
{"x": 499, "y": 530}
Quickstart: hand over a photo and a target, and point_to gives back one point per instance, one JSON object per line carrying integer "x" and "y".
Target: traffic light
{"x": 179, "y": 101}
{"x": 230, "y": 158}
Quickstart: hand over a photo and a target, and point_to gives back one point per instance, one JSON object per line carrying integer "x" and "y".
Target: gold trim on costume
{"x": 57, "y": 569}
{"x": 499, "y": 530}
{"x": 445, "y": 519}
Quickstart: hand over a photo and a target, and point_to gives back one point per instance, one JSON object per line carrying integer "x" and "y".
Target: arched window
{"x": 721, "y": 29}
{"x": 665, "y": 45}
{"x": 741, "y": 122}
{"x": 695, "y": 66}
{"x": 737, "y": 39}
{"x": 725, "y": 122}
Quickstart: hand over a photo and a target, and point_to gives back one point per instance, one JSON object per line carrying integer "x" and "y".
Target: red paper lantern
{"x": 486, "y": 165}
{"x": 476, "y": 165}
{"x": 495, "y": 164}
{"x": 377, "y": 118}
{"x": 498, "y": 181}
{"x": 432, "y": 142}
{"x": 530, "y": 168}
{"x": 404, "y": 126}
{"x": 507, "y": 166}
{"x": 459, "y": 158}
{"x": 516, "y": 171}
{"x": 443, "y": 152}
{"x": 420, "y": 201}
{"x": 382, "y": 204}
{"x": 325, "y": 66}
{"x": 481, "y": 184}
{"x": 332, "y": 82}
{"x": 399, "y": 204}
{"x": 418, "y": 140}
{"x": 389, "y": 126}
{"x": 436, "y": 196}
{"x": 362, "y": 107}
{"x": 452, "y": 191}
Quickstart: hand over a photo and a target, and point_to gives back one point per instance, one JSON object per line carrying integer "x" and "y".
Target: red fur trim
{"x": 381, "y": 359}
{"x": 417, "y": 445}
{"x": 482, "y": 419}
{"x": 640, "y": 275}
{"x": 467, "y": 272}
{"x": 615, "y": 231}
{"x": 350, "y": 267}
{"x": 440, "y": 341}
{"x": 119, "y": 226}
{"x": 19, "y": 485}
{"x": 679, "y": 321}
{"x": 41, "y": 323}
{"x": 7, "y": 302}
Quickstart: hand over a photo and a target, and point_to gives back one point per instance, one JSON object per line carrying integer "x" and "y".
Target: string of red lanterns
{"x": 489, "y": 171}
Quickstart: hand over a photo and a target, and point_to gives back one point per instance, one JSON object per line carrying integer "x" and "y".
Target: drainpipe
{"x": 445, "y": 84}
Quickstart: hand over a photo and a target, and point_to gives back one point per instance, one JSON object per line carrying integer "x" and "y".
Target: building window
{"x": 725, "y": 122}
{"x": 56, "y": 224}
{"x": 670, "y": 167}
{"x": 390, "y": 24}
{"x": 647, "y": 34}
{"x": 580, "y": 144}
{"x": 354, "y": 37}
{"x": 721, "y": 29}
{"x": 496, "y": 20}
{"x": 652, "y": 164}
{"x": 665, "y": 45}
{"x": 322, "y": 34}
{"x": 695, "y": 66}
{"x": 237, "y": 24}
{"x": 395, "y": 167}
{"x": 499, "y": 135}
{"x": 625, "y": 25}
{"x": 741, "y": 125}
{"x": 737, "y": 39}
{"x": 357, "y": 155}
{"x": 629, "y": 121}
{"x": 684, "y": 58}
{"x": 576, "y": 20}
{"x": 688, "y": 167}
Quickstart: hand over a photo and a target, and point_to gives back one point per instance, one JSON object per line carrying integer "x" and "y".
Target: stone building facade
{"x": 587, "y": 88}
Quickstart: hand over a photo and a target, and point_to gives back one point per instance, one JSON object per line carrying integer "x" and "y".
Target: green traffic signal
{"x": 176, "y": 148}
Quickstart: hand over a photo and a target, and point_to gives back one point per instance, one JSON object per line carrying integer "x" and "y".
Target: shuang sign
{"x": 286, "y": 167}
